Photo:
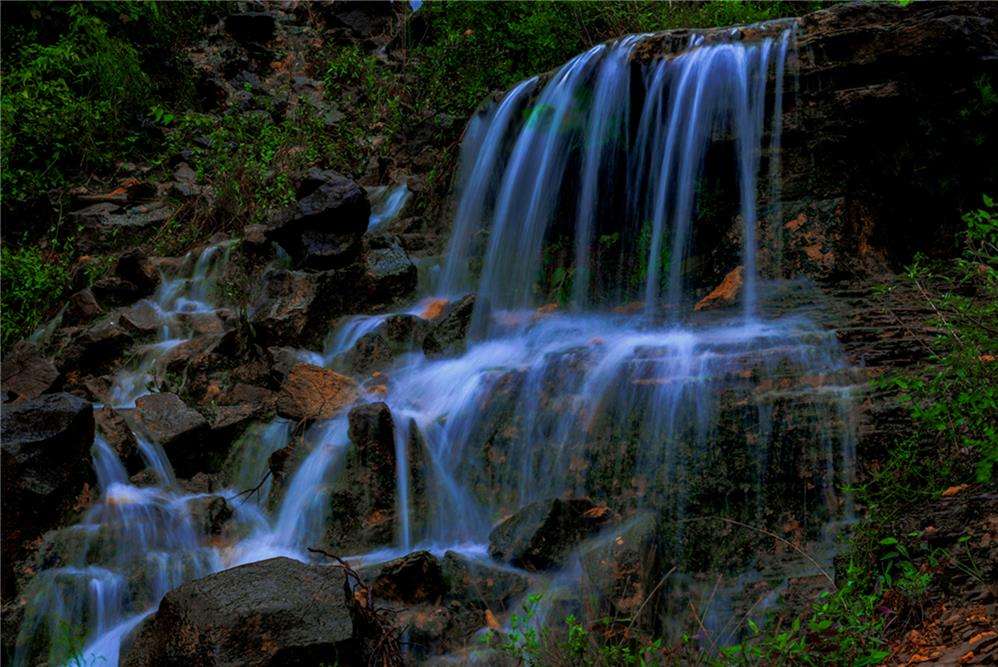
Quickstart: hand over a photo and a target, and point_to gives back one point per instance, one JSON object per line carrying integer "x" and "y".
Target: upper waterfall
{"x": 584, "y": 187}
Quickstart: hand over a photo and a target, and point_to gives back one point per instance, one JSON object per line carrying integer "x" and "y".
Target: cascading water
{"x": 581, "y": 187}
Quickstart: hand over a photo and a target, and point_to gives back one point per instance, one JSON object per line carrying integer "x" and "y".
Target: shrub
{"x": 32, "y": 284}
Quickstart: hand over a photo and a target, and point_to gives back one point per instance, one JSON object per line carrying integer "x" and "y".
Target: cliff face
{"x": 886, "y": 117}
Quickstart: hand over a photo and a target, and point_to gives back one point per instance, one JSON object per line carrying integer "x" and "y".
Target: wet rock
{"x": 477, "y": 584}
{"x": 390, "y": 274}
{"x": 95, "y": 348}
{"x": 541, "y": 535}
{"x": 110, "y": 226}
{"x": 140, "y": 318}
{"x": 45, "y": 445}
{"x": 724, "y": 294}
{"x": 415, "y": 578}
{"x": 282, "y": 310}
{"x": 274, "y": 612}
{"x": 447, "y": 334}
{"x": 311, "y": 392}
{"x": 81, "y": 308}
{"x": 112, "y": 425}
{"x": 396, "y": 335}
{"x": 251, "y": 27}
{"x": 26, "y": 373}
{"x": 209, "y": 514}
{"x": 182, "y": 432}
{"x": 362, "y": 503}
{"x": 324, "y": 229}
{"x": 621, "y": 567}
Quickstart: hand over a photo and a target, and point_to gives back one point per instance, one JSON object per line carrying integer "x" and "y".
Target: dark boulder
{"x": 447, "y": 333}
{"x": 362, "y": 502}
{"x": 140, "y": 318}
{"x": 94, "y": 349}
{"x": 26, "y": 373}
{"x": 297, "y": 307}
{"x": 415, "y": 578}
{"x": 622, "y": 567}
{"x": 542, "y": 534}
{"x": 323, "y": 229}
{"x": 210, "y": 514}
{"x": 274, "y": 612}
{"x": 182, "y": 432}
{"x": 389, "y": 273}
{"x": 397, "y": 335}
{"x": 480, "y": 585}
{"x": 45, "y": 459}
{"x": 81, "y": 308}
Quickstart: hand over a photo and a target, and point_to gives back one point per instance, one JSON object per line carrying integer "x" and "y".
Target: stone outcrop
{"x": 541, "y": 535}
{"x": 274, "y": 612}
{"x": 45, "y": 458}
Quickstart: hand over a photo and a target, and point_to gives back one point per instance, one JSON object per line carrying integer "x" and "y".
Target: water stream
{"x": 580, "y": 187}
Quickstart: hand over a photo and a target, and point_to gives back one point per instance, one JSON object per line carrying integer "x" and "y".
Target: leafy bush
{"x": 32, "y": 281}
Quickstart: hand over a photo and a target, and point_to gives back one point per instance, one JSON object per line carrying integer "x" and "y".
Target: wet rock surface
{"x": 277, "y": 611}
{"x": 311, "y": 392}
{"x": 448, "y": 332}
{"x": 540, "y": 536}
{"x": 181, "y": 431}
{"x": 45, "y": 447}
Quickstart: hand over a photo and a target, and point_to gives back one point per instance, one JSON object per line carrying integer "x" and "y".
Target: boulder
{"x": 139, "y": 270}
{"x": 396, "y": 335}
{"x": 274, "y": 612}
{"x": 542, "y": 534}
{"x": 119, "y": 436}
{"x": 480, "y": 585}
{"x": 81, "y": 308}
{"x": 26, "y": 373}
{"x": 323, "y": 229}
{"x": 94, "y": 349}
{"x": 46, "y": 463}
{"x": 363, "y": 501}
{"x": 415, "y": 578}
{"x": 389, "y": 273}
{"x": 282, "y": 309}
{"x": 310, "y": 392}
{"x": 447, "y": 334}
{"x": 182, "y": 432}
{"x": 140, "y": 318}
{"x": 621, "y": 568}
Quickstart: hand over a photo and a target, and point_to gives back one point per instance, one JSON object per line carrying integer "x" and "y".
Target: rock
{"x": 274, "y": 612}
{"x": 389, "y": 272}
{"x": 112, "y": 425}
{"x": 179, "y": 430}
{"x": 110, "y": 226}
{"x": 396, "y": 335}
{"x": 621, "y": 568}
{"x": 311, "y": 392}
{"x": 94, "y": 349}
{"x": 724, "y": 294}
{"x": 45, "y": 446}
{"x": 140, "y": 318}
{"x": 447, "y": 334}
{"x": 324, "y": 229}
{"x": 251, "y": 27}
{"x": 541, "y": 535}
{"x": 282, "y": 310}
{"x": 136, "y": 268}
{"x": 209, "y": 514}
{"x": 81, "y": 308}
{"x": 479, "y": 585}
{"x": 415, "y": 578}
{"x": 26, "y": 373}
{"x": 363, "y": 501}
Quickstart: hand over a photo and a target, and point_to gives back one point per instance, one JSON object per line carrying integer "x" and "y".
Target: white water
{"x": 536, "y": 387}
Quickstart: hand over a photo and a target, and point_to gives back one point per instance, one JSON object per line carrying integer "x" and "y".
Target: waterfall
{"x": 579, "y": 187}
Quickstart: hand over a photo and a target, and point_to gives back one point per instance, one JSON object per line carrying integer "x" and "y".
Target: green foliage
{"x": 471, "y": 49}
{"x": 77, "y": 80}
{"x": 32, "y": 282}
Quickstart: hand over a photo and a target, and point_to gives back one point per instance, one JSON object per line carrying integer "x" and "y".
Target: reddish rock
{"x": 724, "y": 294}
{"x": 26, "y": 373}
{"x": 311, "y": 392}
